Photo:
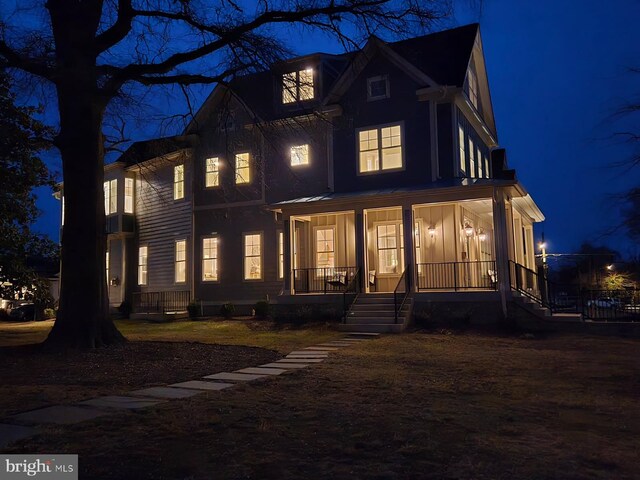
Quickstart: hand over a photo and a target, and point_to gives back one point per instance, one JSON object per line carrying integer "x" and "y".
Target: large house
{"x": 370, "y": 181}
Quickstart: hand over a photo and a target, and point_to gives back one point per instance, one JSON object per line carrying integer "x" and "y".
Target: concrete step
{"x": 375, "y": 313}
{"x": 372, "y": 328}
{"x": 385, "y": 320}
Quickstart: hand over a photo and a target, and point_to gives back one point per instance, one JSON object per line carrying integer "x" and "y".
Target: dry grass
{"x": 466, "y": 406}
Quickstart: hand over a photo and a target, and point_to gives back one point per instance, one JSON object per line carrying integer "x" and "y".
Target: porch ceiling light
{"x": 468, "y": 230}
{"x": 432, "y": 230}
{"x": 481, "y": 235}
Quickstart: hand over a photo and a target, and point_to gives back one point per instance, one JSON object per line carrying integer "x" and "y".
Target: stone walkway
{"x": 23, "y": 425}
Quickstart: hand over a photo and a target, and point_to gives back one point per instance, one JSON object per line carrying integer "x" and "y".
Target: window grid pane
{"x": 253, "y": 257}
{"x": 300, "y": 155}
{"x": 210, "y": 259}
{"x": 325, "y": 248}
{"x": 463, "y": 157}
{"x": 306, "y": 84}
{"x": 243, "y": 171}
{"x": 289, "y": 87}
{"x": 128, "y": 195}
{"x": 280, "y": 255}
{"x": 212, "y": 172}
{"x": 387, "y": 242}
{"x": 178, "y": 182}
{"x": 142, "y": 265}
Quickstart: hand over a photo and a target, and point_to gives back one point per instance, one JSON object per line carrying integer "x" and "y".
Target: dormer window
{"x": 378, "y": 87}
{"x": 297, "y": 86}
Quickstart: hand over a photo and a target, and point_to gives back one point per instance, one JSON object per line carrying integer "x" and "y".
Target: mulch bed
{"x": 33, "y": 379}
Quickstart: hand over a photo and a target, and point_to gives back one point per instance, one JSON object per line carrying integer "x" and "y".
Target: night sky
{"x": 558, "y": 72}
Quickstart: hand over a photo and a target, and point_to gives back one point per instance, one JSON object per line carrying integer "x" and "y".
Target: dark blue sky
{"x": 558, "y": 73}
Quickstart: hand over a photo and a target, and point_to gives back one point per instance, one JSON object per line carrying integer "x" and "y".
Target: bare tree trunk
{"x": 83, "y": 314}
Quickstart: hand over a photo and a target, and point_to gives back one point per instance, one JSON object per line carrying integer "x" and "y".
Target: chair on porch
{"x": 337, "y": 279}
{"x": 372, "y": 281}
{"x": 493, "y": 278}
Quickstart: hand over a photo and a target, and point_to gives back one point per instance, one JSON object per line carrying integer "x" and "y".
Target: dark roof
{"x": 140, "y": 152}
{"x": 445, "y": 183}
{"x": 444, "y": 56}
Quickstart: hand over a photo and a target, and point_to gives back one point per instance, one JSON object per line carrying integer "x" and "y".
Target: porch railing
{"x": 323, "y": 280}
{"x": 481, "y": 275}
{"x": 401, "y": 292}
{"x": 611, "y": 305}
{"x": 161, "y": 302}
{"x": 350, "y": 295}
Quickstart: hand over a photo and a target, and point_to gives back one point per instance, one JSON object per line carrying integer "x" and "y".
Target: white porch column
{"x": 501, "y": 234}
{"x": 286, "y": 240}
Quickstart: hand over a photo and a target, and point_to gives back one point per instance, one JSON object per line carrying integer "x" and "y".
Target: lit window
{"x": 106, "y": 261}
{"x": 472, "y": 159}
{"x": 181, "y": 261}
{"x": 472, "y": 84}
{"x": 377, "y": 88}
{"x": 212, "y": 172}
{"x": 210, "y": 259}
{"x": 480, "y": 162}
{"x": 299, "y": 155}
{"x": 178, "y": 182}
{"x": 487, "y": 173}
{"x": 325, "y": 248}
{"x": 142, "y": 265}
{"x": 110, "y": 197}
{"x": 243, "y": 171}
{"x": 280, "y": 255}
{"x": 389, "y": 243}
{"x": 297, "y": 86}
{"x": 463, "y": 157}
{"x": 380, "y": 149}
{"x": 253, "y": 256}
{"x": 62, "y": 219}
{"x": 128, "y": 195}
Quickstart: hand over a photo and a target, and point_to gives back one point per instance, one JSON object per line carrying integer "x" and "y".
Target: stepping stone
{"x": 235, "y": 377}
{"x": 117, "y": 401}
{"x": 298, "y": 360}
{"x": 262, "y": 371}
{"x": 335, "y": 344}
{"x": 307, "y": 352}
{"x": 351, "y": 340}
{"x": 166, "y": 392}
{"x": 322, "y": 349}
{"x": 60, "y": 414}
{"x": 200, "y": 385}
{"x": 306, "y": 355}
{"x": 285, "y": 365}
{"x": 12, "y": 433}
{"x": 363, "y": 335}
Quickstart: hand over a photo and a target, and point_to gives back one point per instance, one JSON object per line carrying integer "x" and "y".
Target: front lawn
{"x": 460, "y": 406}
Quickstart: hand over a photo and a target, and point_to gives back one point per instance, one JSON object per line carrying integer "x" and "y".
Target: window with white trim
{"x": 243, "y": 169}
{"x": 325, "y": 248}
{"x": 178, "y": 182}
{"x": 181, "y": 261}
{"x": 128, "y": 195}
{"x": 380, "y": 149}
{"x": 480, "y": 162}
{"x": 106, "y": 261}
{"x": 210, "y": 259}
{"x": 110, "y": 196}
{"x": 252, "y": 256}
{"x": 462, "y": 152}
{"x": 280, "y": 255}
{"x": 297, "y": 86}
{"x": 472, "y": 158}
{"x": 389, "y": 243}
{"x": 472, "y": 85}
{"x": 212, "y": 172}
{"x": 143, "y": 258}
{"x": 299, "y": 155}
{"x": 378, "y": 87}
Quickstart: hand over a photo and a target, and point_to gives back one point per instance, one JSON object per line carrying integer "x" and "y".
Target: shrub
{"x": 49, "y": 313}
{"x": 227, "y": 310}
{"x": 125, "y": 309}
{"x": 192, "y": 309}
{"x": 262, "y": 309}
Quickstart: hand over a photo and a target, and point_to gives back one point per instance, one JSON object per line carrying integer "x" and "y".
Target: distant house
{"x": 373, "y": 171}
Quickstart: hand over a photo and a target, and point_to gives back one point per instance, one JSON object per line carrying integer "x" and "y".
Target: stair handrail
{"x": 354, "y": 282}
{"x": 404, "y": 279}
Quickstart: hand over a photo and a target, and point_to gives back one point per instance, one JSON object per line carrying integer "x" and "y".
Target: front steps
{"x": 541, "y": 312}
{"x": 375, "y": 313}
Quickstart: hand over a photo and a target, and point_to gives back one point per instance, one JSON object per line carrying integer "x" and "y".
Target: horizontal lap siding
{"x": 161, "y": 221}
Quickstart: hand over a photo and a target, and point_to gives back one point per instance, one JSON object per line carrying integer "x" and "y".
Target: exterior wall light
{"x": 468, "y": 230}
{"x": 432, "y": 230}
{"x": 481, "y": 235}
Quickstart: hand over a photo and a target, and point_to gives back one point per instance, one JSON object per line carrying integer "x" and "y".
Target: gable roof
{"x": 140, "y": 152}
{"x": 444, "y": 56}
